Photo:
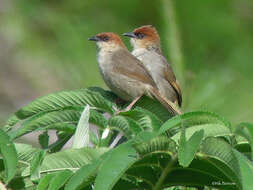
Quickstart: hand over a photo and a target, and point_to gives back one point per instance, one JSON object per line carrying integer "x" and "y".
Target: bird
{"x": 147, "y": 48}
{"x": 124, "y": 74}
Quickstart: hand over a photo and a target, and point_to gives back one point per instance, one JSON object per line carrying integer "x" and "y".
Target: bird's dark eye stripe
{"x": 140, "y": 35}
{"x": 104, "y": 38}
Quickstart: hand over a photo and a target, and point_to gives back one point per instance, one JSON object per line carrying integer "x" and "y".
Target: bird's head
{"x": 144, "y": 37}
{"x": 108, "y": 41}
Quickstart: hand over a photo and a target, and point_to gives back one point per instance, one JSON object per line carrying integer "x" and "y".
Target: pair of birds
{"x": 144, "y": 72}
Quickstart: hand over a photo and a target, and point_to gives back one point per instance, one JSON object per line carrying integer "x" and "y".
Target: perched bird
{"x": 123, "y": 73}
{"x": 146, "y": 47}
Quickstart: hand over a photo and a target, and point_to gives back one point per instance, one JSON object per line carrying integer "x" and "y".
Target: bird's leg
{"x": 132, "y": 103}
{"x": 129, "y": 106}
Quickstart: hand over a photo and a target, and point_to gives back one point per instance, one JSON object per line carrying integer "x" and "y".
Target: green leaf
{"x": 160, "y": 143}
{"x": 93, "y": 138}
{"x": 19, "y": 183}
{"x": 62, "y": 139}
{"x": 173, "y": 126}
{"x": 63, "y": 120}
{"x": 9, "y": 154}
{"x": 13, "y": 120}
{"x": 188, "y": 148}
{"x": 147, "y": 120}
{"x": 143, "y": 137}
{"x": 65, "y": 99}
{"x": 246, "y": 170}
{"x": 244, "y": 148}
{"x": 215, "y": 130}
{"x": 109, "y": 95}
{"x": 82, "y": 176}
{"x": 26, "y": 152}
{"x": 125, "y": 124}
{"x": 220, "y": 154}
{"x": 45, "y": 181}
{"x": 35, "y": 165}
{"x": 81, "y": 136}
{"x": 120, "y": 159}
{"x": 86, "y": 174}
{"x": 246, "y": 130}
{"x": 43, "y": 140}
{"x": 154, "y": 107}
{"x": 60, "y": 179}
{"x": 71, "y": 159}
{"x": 98, "y": 119}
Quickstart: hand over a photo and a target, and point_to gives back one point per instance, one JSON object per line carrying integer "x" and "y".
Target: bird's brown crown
{"x": 147, "y": 32}
{"x": 110, "y": 37}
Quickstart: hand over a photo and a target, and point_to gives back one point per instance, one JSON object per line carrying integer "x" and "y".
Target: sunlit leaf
{"x": 81, "y": 136}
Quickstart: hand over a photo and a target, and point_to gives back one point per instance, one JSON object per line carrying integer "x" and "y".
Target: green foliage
{"x": 63, "y": 100}
{"x": 60, "y": 179}
{"x": 121, "y": 158}
{"x": 35, "y": 165}
{"x": 195, "y": 149}
{"x": 188, "y": 148}
{"x": 9, "y": 156}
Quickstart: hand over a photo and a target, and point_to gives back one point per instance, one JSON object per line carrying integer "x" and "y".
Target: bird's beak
{"x": 93, "y": 38}
{"x": 130, "y": 34}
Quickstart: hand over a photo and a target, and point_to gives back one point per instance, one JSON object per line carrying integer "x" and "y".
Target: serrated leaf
{"x": 60, "y": 179}
{"x": 26, "y": 152}
{"x": 9, "y": 155}
{"x": 98, "y": 119}
{"x": 173, "y": 125}
{"x": 246, "y": 130}
{"x": 109, "y": 95}
{"x": 188, "y": 148}
{"x": 81, "y": 136}
{"x": 63, "y": 120}
{"x": 65, "y": 99}
{"x": 220, "y": 154}
{"x": 154, "y": 107}
{"x": 93, "y": 138}
{"x": 120, "y": 159}
{"x": 147, "y": 120}
{"x": 143, "y": 137}
{"x": 71, "y": 159}
{"x": 13, "y": 120}
{"x": 215, "y": 130}
{"x": 125, "y": 124}
{"x": 160, "y": 143}
{"x": 246, "y": 170}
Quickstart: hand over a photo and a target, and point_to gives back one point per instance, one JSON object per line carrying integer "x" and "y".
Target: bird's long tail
{"x": 171, "y": 107}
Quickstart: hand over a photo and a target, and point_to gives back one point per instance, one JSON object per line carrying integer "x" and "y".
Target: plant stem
{"x": 173, "y": 40}
{"x": 168, "y": 168}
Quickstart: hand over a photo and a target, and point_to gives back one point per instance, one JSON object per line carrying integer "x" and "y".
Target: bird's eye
{"x": 104, "y": 38}
{"x": 140, "y": 35}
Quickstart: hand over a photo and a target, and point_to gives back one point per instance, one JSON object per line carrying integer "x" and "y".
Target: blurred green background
{"x": 44, "y": 48}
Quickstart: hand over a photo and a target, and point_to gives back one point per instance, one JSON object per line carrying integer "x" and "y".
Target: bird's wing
{"x": 170, "y": 77}
{"x": 126, "y": 64}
